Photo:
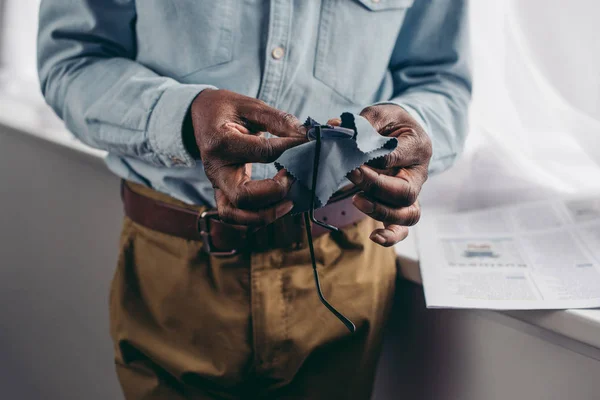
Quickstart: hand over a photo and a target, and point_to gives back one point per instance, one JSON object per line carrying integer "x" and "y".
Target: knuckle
{"x": 372, "y": 185}
{"x": 281, "y": 187}
{"x": 416, "y": 143}
{"x": 241, "y": 197}
{"x": 367, "y": 185}
{"x": 370, "y": 113}
{"x": 266, "y": 150}
{"x": 389, "y": 127}
{"x": 411, "y": 194}
{"x": 413, "y": 216}
{"x": 400, "y": 233}
{"x": 381, "y": 213}
{"x": 288, "y": 119}
{"x": 377, "y": 185}
{"x": 226, "y": 213}
{"x": 391, "y": 160}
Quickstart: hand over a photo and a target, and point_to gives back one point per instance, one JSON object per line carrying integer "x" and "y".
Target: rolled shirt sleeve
{"x": 431, "y": 71}
{"x": 89, "y": 76}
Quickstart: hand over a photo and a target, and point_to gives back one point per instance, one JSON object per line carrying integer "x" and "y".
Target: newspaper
{"x": 540, "y": 255}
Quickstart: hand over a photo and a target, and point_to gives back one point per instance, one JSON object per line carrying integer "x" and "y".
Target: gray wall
{"x": 60, "y": 216}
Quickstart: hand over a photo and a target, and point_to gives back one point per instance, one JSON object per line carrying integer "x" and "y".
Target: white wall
{"x": 471, "y": 355}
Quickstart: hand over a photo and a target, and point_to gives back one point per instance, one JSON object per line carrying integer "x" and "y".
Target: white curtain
{"x": 18, "y": 74}
{"x": 17, "y": 38}
{"x": 535, "y": 118}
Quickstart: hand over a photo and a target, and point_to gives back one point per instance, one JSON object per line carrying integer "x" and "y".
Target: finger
{"x": 400, "y": 191}
{"x": 261, "y": 149}
{"x": 230, "y": 214}
{"x": 239, "y": 148}
{"x": 252, "y": 194}
{"x": 413, "y": 149}
{"x": 405, "y": 216}
{"x": 240, "y": 128}
{"x": 263, "y": 118}
{"x": 378, "y": 117}
{"x": 389, "y": 236}
{"x": 414, "y": 145}
{"x": 334, "y": 122}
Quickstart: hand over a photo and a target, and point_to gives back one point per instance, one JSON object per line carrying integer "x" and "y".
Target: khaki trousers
{"x": 189, "y": 326}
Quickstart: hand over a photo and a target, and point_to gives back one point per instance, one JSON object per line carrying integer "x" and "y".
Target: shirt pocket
{"x": 179, "y": 37}
{"x": 355, "y": 41}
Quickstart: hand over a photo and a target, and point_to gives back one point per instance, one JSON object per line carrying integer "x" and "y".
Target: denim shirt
{"x": 122, "y": 73}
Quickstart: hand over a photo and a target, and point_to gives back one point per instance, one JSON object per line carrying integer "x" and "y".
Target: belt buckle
{"x": 204, "y": 228}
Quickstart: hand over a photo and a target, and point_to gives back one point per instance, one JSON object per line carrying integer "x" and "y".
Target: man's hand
{"x": 227, "y": 129}
{"x": 390, "y": 186}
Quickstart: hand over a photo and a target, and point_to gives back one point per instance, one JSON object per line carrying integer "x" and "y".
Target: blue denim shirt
{"x": 123, "y": 73}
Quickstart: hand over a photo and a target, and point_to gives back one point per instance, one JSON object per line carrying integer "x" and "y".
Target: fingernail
{"x": 356, "y": 175}
{"x": 237, "y": 127}
{"x": 283, "y": 209}
{"x": 387, "y": 234}
{"x": 377, "y": 238}
{"x": 285, "y": 180}
{"x": 363, "y": 204}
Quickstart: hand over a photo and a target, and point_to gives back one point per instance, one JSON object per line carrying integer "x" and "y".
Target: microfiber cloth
{"x": 343, "y": 149}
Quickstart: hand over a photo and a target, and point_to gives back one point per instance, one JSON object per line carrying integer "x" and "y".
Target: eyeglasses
{"x": 314, "y": 133}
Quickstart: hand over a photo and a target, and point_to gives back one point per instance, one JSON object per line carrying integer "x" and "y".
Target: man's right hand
{"x": 228, "y": 132}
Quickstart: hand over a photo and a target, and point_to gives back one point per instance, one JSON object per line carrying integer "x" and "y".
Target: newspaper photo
{"x": 541, "y": 255}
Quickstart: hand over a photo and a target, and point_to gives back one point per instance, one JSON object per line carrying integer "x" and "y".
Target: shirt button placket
{"x": 278, "y": 53}
{"x": 277, "y": 46}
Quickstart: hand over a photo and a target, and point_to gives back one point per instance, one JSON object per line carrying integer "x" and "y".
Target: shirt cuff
{"x": 166, "y": 124}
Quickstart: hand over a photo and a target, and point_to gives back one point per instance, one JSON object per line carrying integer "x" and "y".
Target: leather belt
{"x": 223, "y": 239}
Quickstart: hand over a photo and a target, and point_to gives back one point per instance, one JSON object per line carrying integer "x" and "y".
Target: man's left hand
{"x": 391, "y": 185}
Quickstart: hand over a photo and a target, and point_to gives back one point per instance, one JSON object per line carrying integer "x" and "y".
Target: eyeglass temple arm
{"x": 349, "y": 324}
{"x": 309, "y": 216}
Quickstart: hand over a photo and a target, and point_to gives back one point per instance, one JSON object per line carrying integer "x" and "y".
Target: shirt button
{"x": 278, "y": 53}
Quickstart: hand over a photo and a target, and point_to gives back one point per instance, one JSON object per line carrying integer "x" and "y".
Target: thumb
{"x": 268, "y": 119}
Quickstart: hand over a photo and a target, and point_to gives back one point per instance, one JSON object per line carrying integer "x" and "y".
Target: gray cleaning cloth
{"x": 343, "y": 149}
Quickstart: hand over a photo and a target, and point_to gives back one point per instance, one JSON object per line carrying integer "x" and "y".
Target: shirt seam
{"x": 153, "y": 142}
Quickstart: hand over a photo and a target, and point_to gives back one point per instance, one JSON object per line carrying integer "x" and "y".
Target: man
{"x": 182, "y": 93}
